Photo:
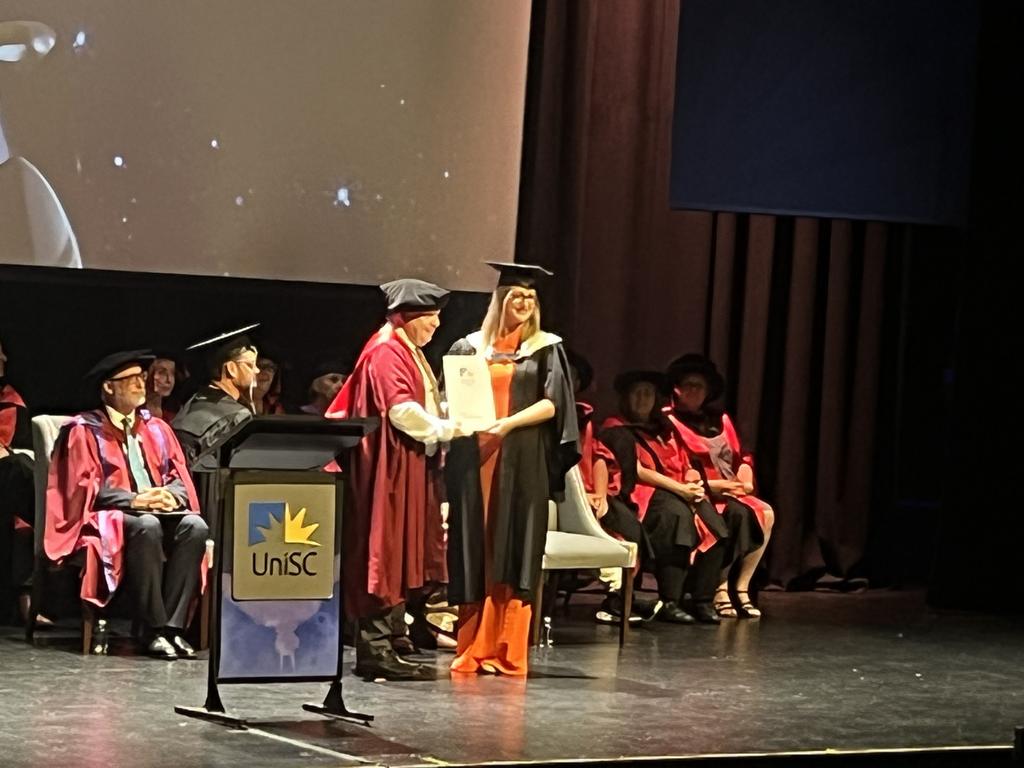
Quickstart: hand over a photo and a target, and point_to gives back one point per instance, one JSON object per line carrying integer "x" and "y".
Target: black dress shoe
{"x": 160, "y": 648}
{"x": 182, "y": 647}
{"x": 394, "y": 669}
{"x": 673, "y": 614}
{"x": 647, "y": 610}
{"x": 706, "y": 614}
{"x": 409, "y": 651}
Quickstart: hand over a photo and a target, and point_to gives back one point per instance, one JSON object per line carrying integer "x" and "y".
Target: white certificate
{"x": 467, "y": 384}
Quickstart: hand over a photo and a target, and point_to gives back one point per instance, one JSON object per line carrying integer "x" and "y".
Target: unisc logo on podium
{"x": 284, "y": 543}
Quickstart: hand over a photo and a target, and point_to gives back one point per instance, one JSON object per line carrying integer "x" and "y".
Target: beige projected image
{"x": 347, "y": 141}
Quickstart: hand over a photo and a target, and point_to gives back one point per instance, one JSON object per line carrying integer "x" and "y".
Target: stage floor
{"x": 821, "y": 671}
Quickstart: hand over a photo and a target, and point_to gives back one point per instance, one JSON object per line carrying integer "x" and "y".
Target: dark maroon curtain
{"x": 792, "y": 310}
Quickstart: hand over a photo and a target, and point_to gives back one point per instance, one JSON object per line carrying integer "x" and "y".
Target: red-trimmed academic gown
{"x": 660, "y": 450}
{"x": 592, "y": 450}
{"x": 13, "y": 418}
{"x": 89, "y": 465}
{"x": 700, "y": 446}
{"x": 392, "y": 538}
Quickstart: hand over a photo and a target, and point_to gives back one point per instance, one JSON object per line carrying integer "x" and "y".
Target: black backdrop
{"x": 55, "y": 323}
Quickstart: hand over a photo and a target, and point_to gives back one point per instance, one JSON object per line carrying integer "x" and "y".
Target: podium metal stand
{"x": 276, "y": 517}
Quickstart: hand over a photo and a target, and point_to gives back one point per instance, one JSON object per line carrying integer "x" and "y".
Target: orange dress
{"x": 494, "y": 636}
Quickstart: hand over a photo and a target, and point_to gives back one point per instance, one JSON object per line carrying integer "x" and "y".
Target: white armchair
{"x": 576, "y": 540}
{"x": 45, "y": 430}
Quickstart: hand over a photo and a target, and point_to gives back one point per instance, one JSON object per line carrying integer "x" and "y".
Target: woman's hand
{"x": 692, "y": 492}
{"x": 728, "y": 487}
{"x": 598, "y": 503}
{"x": 500, "y": 428}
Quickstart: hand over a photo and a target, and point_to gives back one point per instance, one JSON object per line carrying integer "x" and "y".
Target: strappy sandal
{"x": 748, "y": 609}
{"x": 723, "y": 605}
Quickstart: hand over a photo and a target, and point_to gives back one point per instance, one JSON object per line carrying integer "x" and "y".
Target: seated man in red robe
{"x": 17, "y": 497}
{"x": 119, "y": 489}
{"x": 393, "y": 539}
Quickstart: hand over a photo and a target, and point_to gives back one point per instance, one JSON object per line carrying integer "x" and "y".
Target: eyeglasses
{"x": 524, "y": 298}
{"x": 139, "y": 377}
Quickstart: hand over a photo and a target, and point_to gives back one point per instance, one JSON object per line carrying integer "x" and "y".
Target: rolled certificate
{"x": 468, "y": 389}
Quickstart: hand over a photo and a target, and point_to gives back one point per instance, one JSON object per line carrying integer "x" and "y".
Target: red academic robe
{"x": 666, "y": 450}
{"x": 10, "y": 402}
{"x": 697, "y": 445}
{"x": 592, "y": 449}
{"x": 392, "y": 538}
{"x": 86, "y": 458}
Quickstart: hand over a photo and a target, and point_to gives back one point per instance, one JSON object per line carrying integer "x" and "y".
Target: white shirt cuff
{"x": 413, "y": 419}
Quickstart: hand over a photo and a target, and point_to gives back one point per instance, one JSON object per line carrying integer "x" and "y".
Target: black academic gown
{"x": 531, "y": 471}
{"x": 204, "y": 421}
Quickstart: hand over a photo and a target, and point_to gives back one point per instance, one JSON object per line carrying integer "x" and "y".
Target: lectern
{"x": 275, "y": 586}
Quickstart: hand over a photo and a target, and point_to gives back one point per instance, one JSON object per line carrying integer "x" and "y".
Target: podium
{"x": 275, "y": 585}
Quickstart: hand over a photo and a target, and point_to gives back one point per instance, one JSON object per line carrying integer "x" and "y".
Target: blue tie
{"x": 135, "y": 461}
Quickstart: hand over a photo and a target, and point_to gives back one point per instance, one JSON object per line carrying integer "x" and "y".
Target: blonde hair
{"x": 496, "y": 311}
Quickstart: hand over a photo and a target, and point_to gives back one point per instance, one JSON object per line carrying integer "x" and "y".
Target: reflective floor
{"x": 820, "y": 671}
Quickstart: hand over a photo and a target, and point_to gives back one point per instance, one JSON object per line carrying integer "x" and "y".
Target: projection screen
{"x": 347, "y": 141}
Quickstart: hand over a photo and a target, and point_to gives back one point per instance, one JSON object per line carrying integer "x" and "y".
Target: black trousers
{"x": 161, "y": 558}
{"x": 374, "y": 634}
{"x": 622, "y": 520}
{"x": 669, "y": 525}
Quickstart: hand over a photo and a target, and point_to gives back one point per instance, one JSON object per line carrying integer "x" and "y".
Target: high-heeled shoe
{"x": 673, "y": 614}
{"x": 723, "y": 605}
{"x": 747, "y": 609}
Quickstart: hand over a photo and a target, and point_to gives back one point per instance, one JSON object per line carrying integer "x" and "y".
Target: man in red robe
{"x": 17, "y": 497}
{"x": 393, "y": 539}
{"x": 119, "y": 489}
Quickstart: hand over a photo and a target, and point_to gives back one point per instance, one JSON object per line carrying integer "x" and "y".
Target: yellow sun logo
{"x": 295, "y": 529}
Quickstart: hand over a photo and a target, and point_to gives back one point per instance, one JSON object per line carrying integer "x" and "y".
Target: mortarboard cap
{"x": 408, "y": 293}
{"x": 223, "y": 348}
{"x": 117, "y": 361}
{"x": 523, "y": 275}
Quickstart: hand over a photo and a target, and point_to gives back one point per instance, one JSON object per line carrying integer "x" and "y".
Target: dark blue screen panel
{"x": 851, "y": 109}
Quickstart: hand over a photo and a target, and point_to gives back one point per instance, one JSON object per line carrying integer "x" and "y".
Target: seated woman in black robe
{"x": 711, "y": 440}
